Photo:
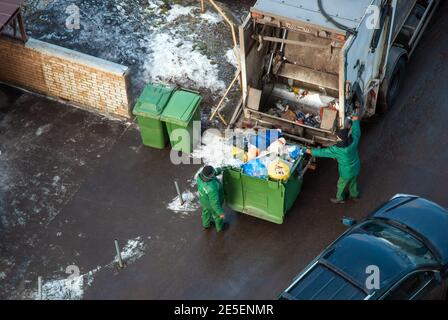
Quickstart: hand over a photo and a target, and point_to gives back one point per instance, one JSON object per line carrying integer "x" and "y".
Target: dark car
{"x": 400, "y": 252}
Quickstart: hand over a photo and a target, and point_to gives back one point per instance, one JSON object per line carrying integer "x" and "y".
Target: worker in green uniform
{"x": 211, "y": 197}
{"x": 349, "y": 164}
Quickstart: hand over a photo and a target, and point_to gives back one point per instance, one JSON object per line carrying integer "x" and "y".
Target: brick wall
{"x": 83, "y": 80}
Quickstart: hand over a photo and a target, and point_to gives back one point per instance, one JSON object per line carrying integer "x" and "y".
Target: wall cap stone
{"x": 76, "y": 57}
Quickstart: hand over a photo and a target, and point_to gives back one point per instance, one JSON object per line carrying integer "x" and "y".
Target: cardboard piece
{"x": 328, "y": 119}
{"x": 254, "y": 99}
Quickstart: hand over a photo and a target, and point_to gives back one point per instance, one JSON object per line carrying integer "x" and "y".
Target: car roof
{"x": 424, "y": 217}
{"x": 358, "y": 250}
{"x": 322, "y": 283}
{"x": 347, "y": 12}
{"x": 341, "y": 271}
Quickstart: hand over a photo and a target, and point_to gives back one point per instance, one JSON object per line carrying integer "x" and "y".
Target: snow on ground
{"x": 231, "y": 58}
{"x": 133, "y": 250}
{"x": 168, "y": 41}
{"x": 176, "y": 11}
{"x": 43, "y": 129}
{"x": 175, "y": 60}
{"x": 73, "y": 287}
{"x": 191, "y": 203}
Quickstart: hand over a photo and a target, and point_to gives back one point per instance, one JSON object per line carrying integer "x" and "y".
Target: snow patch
{"x": 133, "y": 250}
{"x": 43, "y": 129}
{"x": 230, "y": 57}
{"x": 175, "y": 60}
{"x": 211, "y": 17}
{"x": 71, "y": 288}
{"x": 177, "y": 11}
{"x": 56, "y": 179}
{"x": 190, "y": 203}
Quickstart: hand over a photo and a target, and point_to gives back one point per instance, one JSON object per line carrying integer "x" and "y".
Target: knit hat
{"x": 208, "y": 171}
{"x": 342, "y": 134}
{"x": 346, "y": 140}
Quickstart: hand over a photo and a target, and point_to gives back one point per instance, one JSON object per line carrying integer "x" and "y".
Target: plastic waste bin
{"x": 262, "y": 198}
{"x": 179, "y": 116}
{"x": 148, "y": 110}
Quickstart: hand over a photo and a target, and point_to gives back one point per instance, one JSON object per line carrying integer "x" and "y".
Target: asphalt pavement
{"x": 104, "y": 185}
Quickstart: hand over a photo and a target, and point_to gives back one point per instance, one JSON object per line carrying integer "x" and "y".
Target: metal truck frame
{"x": 351, "y": 51}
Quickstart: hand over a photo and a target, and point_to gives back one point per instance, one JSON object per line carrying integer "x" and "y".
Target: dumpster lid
{"x": 153, "y": 100}
{"x": 181, "y": 108}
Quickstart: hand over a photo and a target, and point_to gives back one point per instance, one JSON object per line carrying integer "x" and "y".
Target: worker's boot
{"x": 224, "y": 227}
{"x": 337, "y": 201}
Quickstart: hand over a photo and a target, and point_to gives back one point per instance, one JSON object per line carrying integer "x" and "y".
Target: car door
{"x": 419, "y": 285}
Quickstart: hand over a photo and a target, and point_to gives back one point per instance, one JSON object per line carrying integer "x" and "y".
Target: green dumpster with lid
{"x": 148, "y": 109}
{"x": 182, "y": 117}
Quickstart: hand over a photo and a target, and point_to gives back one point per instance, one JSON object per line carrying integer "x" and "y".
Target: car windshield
{"x": 415, "y": 250}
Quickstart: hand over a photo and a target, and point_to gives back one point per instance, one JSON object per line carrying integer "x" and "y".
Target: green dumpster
{"x": 148, "y": 110}
{"x": 262, "y": 198}
{"x": 180, "y": 116}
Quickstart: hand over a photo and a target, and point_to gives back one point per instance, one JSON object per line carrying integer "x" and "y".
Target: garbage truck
{"x": 306, "y": 67}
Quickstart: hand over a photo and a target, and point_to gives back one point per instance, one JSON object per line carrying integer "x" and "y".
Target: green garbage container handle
{"x": 294, "y": 167}
{"x": 188, "y": 90}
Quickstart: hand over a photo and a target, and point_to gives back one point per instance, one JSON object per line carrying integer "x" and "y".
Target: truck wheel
{"x": 390, "y": 87}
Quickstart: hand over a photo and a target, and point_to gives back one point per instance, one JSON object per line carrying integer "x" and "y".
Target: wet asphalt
{"x": 114, "y": 188}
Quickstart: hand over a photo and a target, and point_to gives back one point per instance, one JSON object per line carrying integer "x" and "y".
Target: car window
{"x": 414, "y": 249}
{"x": 412, "y": 288}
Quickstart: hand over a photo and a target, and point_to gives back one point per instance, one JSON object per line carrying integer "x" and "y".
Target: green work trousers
{"x": 208, "y": 215}
{"x": 350, "y": 184}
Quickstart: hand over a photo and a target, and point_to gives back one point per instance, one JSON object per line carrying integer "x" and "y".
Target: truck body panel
{"x": 291, "y": 44}
{"x": 347, "y": 12}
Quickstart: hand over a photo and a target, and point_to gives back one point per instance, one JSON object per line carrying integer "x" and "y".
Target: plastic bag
{"x": 256, "y": 168}
{"x": 239, "y": 154}
{"x": 279, "y": 170}
{"x": 278, "y": 147}
{"x": 295, "y": 152}
{"x": 253, "y": 152}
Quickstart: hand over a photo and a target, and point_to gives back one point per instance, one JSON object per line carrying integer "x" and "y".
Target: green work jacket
{"x": 349, "y": 163}
{"x": 211, "y": 193}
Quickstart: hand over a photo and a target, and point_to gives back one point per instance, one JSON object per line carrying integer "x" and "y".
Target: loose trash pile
{"x": 265, "y": 155}
{"x": 285, "y": 110}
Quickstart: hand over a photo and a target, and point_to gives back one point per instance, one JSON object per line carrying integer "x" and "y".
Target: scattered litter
{"x": 251, "y": 152}
{"x": 215, "y": 150}
{"x": 58, "y": 234}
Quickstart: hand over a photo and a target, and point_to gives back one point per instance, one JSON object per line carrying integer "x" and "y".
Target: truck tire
{"x": 390, "y": 87}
